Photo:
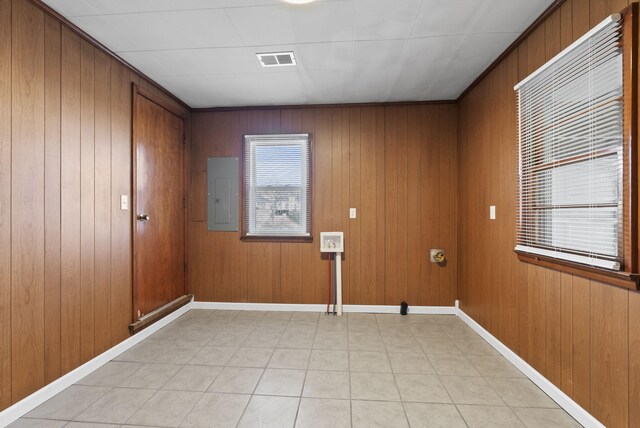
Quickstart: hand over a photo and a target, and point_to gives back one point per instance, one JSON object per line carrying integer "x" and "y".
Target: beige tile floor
{"x": 283, "y": 369}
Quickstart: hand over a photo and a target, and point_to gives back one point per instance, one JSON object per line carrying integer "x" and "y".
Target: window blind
{"x": 277, "y": 191}
{"x": 570, "y": 125}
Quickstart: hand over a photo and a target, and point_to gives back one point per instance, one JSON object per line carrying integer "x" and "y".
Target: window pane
{"x": 588, "y": 230}
{"x": 594, "y": 182}
{"x": 570, "y": 132}
{"x": 277, "y": 188}
{"x": 279, "y": 210}
{"x": 278, "y": 165}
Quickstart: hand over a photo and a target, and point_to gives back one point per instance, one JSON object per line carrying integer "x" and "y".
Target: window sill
{"x": 626, "y": 280}
{"x": 299, "y": 239}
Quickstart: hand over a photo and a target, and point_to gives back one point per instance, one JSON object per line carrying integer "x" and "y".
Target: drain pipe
{"x": 338, "y": 284}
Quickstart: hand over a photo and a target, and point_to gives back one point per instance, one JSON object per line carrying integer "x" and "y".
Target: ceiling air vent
{"x": 276, "y": 59}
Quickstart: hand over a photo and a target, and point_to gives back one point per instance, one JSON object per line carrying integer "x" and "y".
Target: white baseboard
{"x": 275, "y": 307}
{"x": 29, "y": 403}
{"x": 413, "y": 310}
{"x": 371, "y": 309}
{"x": 556, "y": 394}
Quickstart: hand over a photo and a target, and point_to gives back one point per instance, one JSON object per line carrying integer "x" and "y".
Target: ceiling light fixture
{"x": 298, "y": 1}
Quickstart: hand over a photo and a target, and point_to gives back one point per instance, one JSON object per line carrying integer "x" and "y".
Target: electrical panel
{"x": 223, "y": 176}
{"x": 332, "y": 242}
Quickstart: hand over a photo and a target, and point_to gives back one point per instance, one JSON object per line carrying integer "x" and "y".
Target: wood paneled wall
{"x": 582, "y": 335}
{"x": 65, "y": 159}
{"x": 395, "y": 164}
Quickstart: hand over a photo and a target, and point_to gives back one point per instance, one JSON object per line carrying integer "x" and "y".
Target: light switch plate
{"x": 124, "y": 202}
{"x": 492, "y": 212}
{"x": 352, "y": 213}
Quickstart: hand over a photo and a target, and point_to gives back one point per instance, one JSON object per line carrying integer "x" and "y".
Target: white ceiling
{"x": 348, "y": 51}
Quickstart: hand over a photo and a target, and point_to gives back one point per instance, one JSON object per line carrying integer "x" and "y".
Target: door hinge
{"x": 184, "y": 202}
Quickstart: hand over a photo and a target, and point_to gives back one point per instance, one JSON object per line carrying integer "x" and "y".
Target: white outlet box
{"x": 492, "y": 212}
{"x": 352, "y": 213}
{"x": 332, "y": 242}
{"x": 124, "y": 202}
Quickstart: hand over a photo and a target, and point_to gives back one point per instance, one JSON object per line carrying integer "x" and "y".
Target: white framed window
{"x": 277, "y": 186}
{"x": 571, "y": 153}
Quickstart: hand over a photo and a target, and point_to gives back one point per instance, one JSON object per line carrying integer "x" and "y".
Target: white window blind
{"x": 570, "y": 125}
{"x": 277, "y": 191}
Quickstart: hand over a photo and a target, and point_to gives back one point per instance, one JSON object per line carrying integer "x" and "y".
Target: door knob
{"x": 143, "y": 217}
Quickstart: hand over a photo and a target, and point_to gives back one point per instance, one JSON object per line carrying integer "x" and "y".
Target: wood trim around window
{"x": 243, "y": 205}
{"x": 628, "y": 276}
{"x": 619, "y": 279}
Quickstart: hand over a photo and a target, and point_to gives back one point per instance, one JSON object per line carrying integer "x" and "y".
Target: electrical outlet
{"x": 492, "y": 212}
{"x": 352, "y": 213}
{"x": 124, "y": 202}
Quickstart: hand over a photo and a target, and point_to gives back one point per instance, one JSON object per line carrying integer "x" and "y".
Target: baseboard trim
{"x": 283, "y": 307}
{"x": 32, "y": 401}
{"x": 555, "y": 393}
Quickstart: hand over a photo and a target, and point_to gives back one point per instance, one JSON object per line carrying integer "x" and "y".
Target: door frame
{"x": 172, "y": 107}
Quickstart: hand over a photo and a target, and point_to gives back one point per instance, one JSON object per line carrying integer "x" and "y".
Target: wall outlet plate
{"x": 124, "y": 202}
{"x": 492, "y": 212}
{"x": 352, "y": 213}
{"x": 332, "y": 242}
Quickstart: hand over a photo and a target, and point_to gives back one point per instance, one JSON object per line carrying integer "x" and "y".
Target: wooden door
{"x": 159, "y": 205}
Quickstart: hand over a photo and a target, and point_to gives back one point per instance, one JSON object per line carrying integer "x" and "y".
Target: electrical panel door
{"x": 223, "y": 177}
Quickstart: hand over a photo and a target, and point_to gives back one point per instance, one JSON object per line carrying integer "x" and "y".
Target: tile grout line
{"x": 395, "y": 382}
{"x": 304, "y": 381}
{"x": 261, "y": 375}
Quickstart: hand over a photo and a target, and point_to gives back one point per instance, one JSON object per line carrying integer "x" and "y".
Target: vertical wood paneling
{"x": 567, "y": 334}
{"x": 65, "y": 261}
{"x": 102, "y": 202}
{"x": 381, "y": 221}
{"x": 367, "y": 211}
{"x": 391, "y": 203}
{"x": 454, "y": 254}
{"x": 353, "y": 245}
{"x": 580, "y": 22}
{"x": 553, "y": 326}
{"x": 402, "y": 201}
{"x": 346, "y": 202}
{"x": 5, "y": 202}
{"x": 70, "y": 201}
{"x": 52, "y": 199}
{"x": 121, "y": 285}
{"x": 440, "y": 233}
{"x": 27, "y": 202}
{"x": 87, "y": 201}
{"x": 576, "y": 332}
{"x": 599, "y": 10}
{"x": 376, "y": 159}
{"x": 609, "y": 354}
{"x": 566, "y": 24}
{"x": 581, "y": 342}
{"x": 414, "y": 118}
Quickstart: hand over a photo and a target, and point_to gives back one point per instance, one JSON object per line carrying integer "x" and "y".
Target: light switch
{"x": 492, "y": 212}
{"x": 352, "y": 213}
{"x": 124, "y": 202}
